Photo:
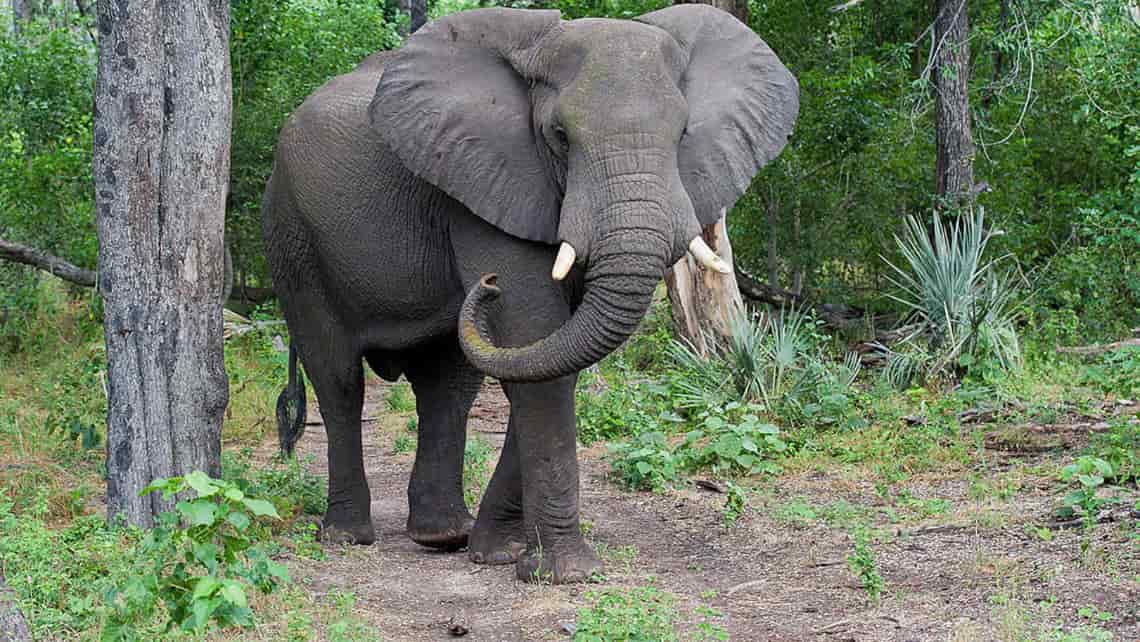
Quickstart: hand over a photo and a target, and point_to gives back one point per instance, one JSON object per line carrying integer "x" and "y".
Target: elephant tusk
{"x": 706, "y": 257}
{"x": 564, "y": 262}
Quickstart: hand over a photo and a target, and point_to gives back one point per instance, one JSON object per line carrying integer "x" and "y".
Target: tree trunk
{"x": 703, "y": 301}
{"x": 161, "y": 163}
{"x": 954, "y": 167}
{"x": 772, "y": 215}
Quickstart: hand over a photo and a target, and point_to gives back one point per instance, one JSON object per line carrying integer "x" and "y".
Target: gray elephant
{"x": 501, "y": 196}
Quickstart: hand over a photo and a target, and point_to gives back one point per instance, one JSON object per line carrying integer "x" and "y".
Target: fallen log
{"x": 1099, "y": 348}
{"x": 46, "y": 262}
{"x": 835, "y": 315}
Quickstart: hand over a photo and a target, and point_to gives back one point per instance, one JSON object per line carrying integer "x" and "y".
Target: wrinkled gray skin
{"x": 488, "y": 139}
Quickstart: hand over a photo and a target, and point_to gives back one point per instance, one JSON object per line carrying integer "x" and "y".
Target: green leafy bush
{"x": 197, "y": 562}
{"x": 286, "y": 481}
{"x": 729, "y": 446}
{"x": 1119, "y": 447}
{"x": 642, "y": 614}
{"x": 645, "y": 462}
{"x": 1116, "y": 373}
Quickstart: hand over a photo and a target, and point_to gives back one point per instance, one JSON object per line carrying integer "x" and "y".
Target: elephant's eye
{"x": 560, "y": 136}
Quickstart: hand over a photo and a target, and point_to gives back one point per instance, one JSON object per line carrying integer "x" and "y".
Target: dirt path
{"x": 973, "y": 572}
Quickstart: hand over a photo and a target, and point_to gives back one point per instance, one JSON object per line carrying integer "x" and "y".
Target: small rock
{"x": 569, "y": 628}
{"x": 457, "y": 627}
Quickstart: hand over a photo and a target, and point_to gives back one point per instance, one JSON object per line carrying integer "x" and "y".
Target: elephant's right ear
{"x": 454, "y": 105}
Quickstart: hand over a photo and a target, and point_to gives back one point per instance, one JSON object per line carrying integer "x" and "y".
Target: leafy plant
{"x": 1089, "y": 473}
{"x": 197, "y": 562}
{"x": 1119, "y": 447}
{"x": 642, "y": 614}
{"x": 726, "y": 446}
{"x": 645, "y": 462}
{"x": 287, "y": 481}
{"x": 862, "y": 563}
{"x": 963, "y": 308}
{"x": 735, "y": 503}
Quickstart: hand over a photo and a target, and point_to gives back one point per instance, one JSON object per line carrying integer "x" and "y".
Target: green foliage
{"x": 198, "y": 562}
{"x": 730, "y": 441}
{"x": 735, "y": 503}
{"x": 1116, "y": 373}
{"x": 862, "y": 563}
{"x": 963, "y": 307}
{"x": 643, "y": 614}
{"x": 400, "y": 398}
{"x": 280, "y": 53}
{"x": 46, "y": 78}
{"x": 776, "y": 360}
{"x": 476, "y": 455}
{"x": 1089, "y": 473}
{"x": 1119, "y": 447}
{"x": 732, "y": 444}
{"x": 286, "y": 481}
{"x": 645, "y": 462}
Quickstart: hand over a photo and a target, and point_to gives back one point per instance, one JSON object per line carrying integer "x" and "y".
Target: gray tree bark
{"x": 954, "y": 166}
{"x": 161, "y": 161}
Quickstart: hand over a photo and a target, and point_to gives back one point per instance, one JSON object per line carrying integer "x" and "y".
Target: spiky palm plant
{"x": 964, "y": 307}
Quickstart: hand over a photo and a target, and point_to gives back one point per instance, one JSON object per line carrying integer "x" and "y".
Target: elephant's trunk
{"x": 625, "y": 265}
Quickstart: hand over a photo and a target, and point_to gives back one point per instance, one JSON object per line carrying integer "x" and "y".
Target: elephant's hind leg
{"x": 445, "y": 386}
{"x": 337, "y": 375}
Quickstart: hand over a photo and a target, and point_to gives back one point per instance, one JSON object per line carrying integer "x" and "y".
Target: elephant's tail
{"x": 291, "y": 406}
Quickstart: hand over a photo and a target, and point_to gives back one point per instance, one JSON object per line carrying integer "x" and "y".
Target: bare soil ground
{"x": 976, "y": 570}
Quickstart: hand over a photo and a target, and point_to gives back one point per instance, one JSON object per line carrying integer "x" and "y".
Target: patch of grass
{"x": 476, "y": 474}
{"x": 797, "y": 512}
{"x": 257, "y": 373}
{"x": 641, "y": 614}
{"x": 403, "y": 444}
{"x": 400, "y": 397}
{"x": 288, "y": 483}
{"x": 622, "y": 556}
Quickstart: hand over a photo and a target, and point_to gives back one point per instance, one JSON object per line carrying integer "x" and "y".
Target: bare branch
{"x": 845, "y": 6}
{"x": 46, "y": 262}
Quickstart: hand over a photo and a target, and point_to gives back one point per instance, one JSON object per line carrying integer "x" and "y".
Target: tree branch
{"x": 46, "y": 262}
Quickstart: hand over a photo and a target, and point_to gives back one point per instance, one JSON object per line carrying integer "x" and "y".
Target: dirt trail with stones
{"x": 773, "y": 579}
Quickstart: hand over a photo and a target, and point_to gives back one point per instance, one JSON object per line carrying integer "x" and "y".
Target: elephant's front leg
{"x": 543, "y": 416}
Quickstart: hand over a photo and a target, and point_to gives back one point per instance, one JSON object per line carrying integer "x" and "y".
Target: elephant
{"x": 500, "y": 196}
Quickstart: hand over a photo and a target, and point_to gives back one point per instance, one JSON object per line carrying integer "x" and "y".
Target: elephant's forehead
{"x": 622, "y": 42}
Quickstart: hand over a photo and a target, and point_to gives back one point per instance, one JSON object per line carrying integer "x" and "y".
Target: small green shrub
{"x": 644, "y": 462}
{"x": 862, "y": 563}
{"x": 735, "y": 503}
{"x": 197, "y": 562}
{"x": 642, "y": 614}
{"x": 1119, "y": 447}
{"x": 732, "y": 447}
{"x": 1116, "y": 373}
{"x": 400, "y": 398}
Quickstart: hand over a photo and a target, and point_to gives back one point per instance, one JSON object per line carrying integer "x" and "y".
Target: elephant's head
{"x": 615, "y": 139}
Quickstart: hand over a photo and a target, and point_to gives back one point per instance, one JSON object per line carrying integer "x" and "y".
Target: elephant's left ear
{"x": 743, "y": 104}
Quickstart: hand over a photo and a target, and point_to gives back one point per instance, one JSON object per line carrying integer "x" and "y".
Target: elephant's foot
{"x": 338, "y": 530}
{"x": 495, "y": 541}
{"x": 448, "y": 532}
{"x": 580, "y": 564}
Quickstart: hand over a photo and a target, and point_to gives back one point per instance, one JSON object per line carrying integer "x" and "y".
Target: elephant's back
{"x": 358, "y": 211}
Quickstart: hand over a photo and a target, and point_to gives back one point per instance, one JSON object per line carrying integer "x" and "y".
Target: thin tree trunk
{"x": 772, "y": 216}
{"x": 954, "y": 166}
{"x": 798, "y": 268}
{"x": 704, "y": 301}
{"x": 999, "y": 55}
{"x": 161, "y": 164}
